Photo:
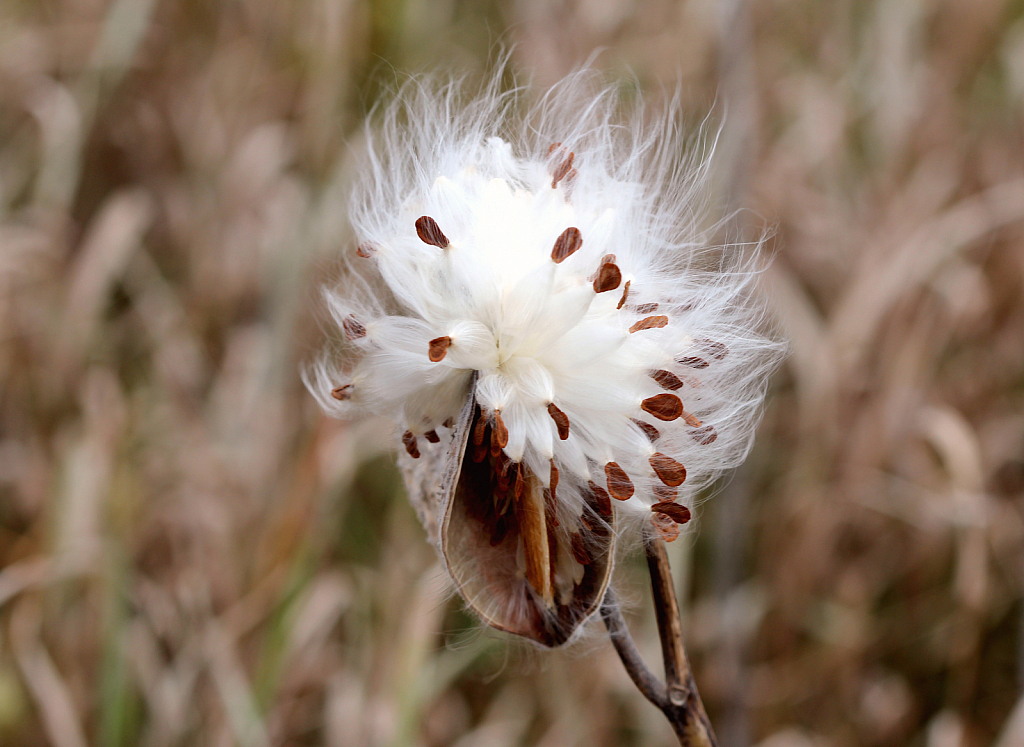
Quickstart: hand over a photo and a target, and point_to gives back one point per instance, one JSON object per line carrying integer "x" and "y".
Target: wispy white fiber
{"x": 482, "y": 169}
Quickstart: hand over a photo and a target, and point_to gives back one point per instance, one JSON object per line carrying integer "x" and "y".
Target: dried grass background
{"x": 190, "y": 554}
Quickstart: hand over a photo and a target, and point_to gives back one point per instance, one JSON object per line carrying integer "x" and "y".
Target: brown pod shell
{"x": 663, "y": 406}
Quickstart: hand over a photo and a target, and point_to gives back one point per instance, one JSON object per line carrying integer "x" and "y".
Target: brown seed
{"x": 353, "y": 328}
{"x": 651, "y": 322}
{"x": 608, "y": 259}
{"x": 692, "y": 361}
{"x": 608, "y": 278}
{"x": 663, "y": 406}
{"x": 705, "y": 435}
{"x": 663, "y": 525}
{"x": 691, "y": 420}
{"x": 568, "y": 242}
{"x": 553, "y": 147}
{"x": 715, "y": 349}
{"x": 553, "y": 479}
{"x": 519, "y": 482}
{"x": 679, "y": 513}
{"x": 569, "y": 180}
{"x": 479, "y": 453}
{"x": 664, "y": 493}
{"x": 625, "y": 295}
{"x": 410, "y": 444}
{"x": 430, "y": 233}
{"x": 561, "y": 420}
{"x": 603, "y": 502}
{"x": 365, "y": 250}
{"x": 432, "y": 437}
{"x": 649, "y": 430}
{"x": 479, "y": 429}
{"x": 448, "y": 422}
{"x": 668, "y": 470}
{"x": 619, "y": 485}
{"x": 501, "y": 432}
{"x": 439, "y": 348}
{"x": 495, "y": 443}
{"x": 667, "y": 379}
{"x": 342, "y": 393}
{"x": 579, "y": 549}
{"x": 646, "y": 308}
{"x": 561, "y": 170}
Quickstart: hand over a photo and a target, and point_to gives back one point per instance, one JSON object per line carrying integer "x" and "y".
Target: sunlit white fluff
{"x": 536, "y": 330}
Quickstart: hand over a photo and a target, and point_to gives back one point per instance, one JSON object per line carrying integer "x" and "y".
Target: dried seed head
{"x": 667, "y": 379}
{"x": 430, "y": 233}
{"x": 663, "y": 406}
{"x": 342, "y": 393}
{"x": 620, "y": 487}
{"x": 353, "y": 328}
{"x": 561, "y": 420}
{"x": 439, "y": 348}
{"x": 566, "y": 244}
{"x": 651, "y": 322}
{"x": 668, "y": 470}
{"x": 409, "y": 440}
{"x": 608, "y": 278}
{"x": 679, "y": 513}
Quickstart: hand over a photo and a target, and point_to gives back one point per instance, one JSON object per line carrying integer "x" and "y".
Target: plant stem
{"x": 678, "y": 699}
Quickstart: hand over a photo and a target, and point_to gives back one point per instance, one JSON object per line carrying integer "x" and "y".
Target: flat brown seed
{"x": 667, "y": 529}
{"x": 566, "y": 244}
{"x": 608, "y": 259}
{"x": 716, "y": 350}
{"x": 620, "y": 487}
{"x": 365, "y": 250}
{"x": 668, "y": 470}
{"x": 432, "y": 437}
{"x": 353, "y": 328}
{"x": 409, "y": 441}
{"x": 579, "y": 549}
{"x": 608, "y": 278}
{"x": 448, "y": 422}
{"x": 663, "y": 406}
{"x": 664, "y": 493}
{"x": 561, "y": 170}
{"x": 439, "y": 348}
{"x": 602, "y": 500}
{"x": 691, "y": 420}
{"x": 651, "y": 322}
{"x": 500, "y": 431}
{"x": 430, "y": 233}
{"x": 667, "y": 380}
{"x": 342, "y": 393}
{"x": 625, "y": 295}
{"x": 679, "y": 513}
{"x": 692, "y": 361}
{"x": 649, "y": 430}
{"x": 553, "y": 479}
{"x": 646, "y": 308}
{"x": 495, "y": 444}
{"x": 479, "y": 429}
{"x": 553, "y": 147}
{"x": 705, "y": 435}
{"x": 561, "y": 420}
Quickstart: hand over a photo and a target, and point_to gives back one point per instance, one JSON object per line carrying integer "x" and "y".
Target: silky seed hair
{"x": 563, "y": 252}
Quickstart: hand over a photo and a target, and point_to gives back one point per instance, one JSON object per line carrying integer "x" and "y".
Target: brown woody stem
{"x": 678, "y": 698}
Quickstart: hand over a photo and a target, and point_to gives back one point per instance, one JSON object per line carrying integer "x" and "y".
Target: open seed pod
{"x": 524, "y": 562}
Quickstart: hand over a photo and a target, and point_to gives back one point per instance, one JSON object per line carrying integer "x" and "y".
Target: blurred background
{"x": 191, "y": 554}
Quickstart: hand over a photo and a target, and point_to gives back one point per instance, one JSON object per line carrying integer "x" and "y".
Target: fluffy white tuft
{"x": 461, "y": 207}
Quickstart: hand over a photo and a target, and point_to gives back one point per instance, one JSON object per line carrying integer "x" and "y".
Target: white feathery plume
{"x": 554, "y": 264}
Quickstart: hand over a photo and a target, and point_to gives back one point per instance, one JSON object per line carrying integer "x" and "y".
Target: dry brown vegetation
{"x": 190, "y": 554}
